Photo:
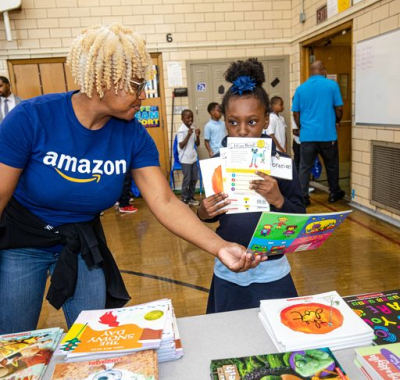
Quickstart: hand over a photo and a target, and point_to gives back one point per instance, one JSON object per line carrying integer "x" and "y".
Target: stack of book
{"x": 303, "y": 364}
{"x": 100, "y": 334}
{"x": 26, "y": 355}
{"x": 139, "y": 365}
{"x": 314, "y": 321}
{"x": 379, "y": 362}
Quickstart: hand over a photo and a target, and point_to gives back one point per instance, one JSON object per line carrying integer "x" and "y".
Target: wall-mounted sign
{"x": 322, "y": 14}
{"x": 149, "y": 116}
{"x": 174, "y": 70}
{"x": 337, "y": 6}
{"x": 201, "y": 87}
{"x": 178, "y": 109}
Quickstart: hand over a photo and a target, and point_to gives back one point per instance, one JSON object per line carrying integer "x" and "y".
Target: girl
{"x": 245, "y": 107}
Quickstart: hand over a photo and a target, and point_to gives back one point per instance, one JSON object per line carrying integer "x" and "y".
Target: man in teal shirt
{"x": 317, "y": 110}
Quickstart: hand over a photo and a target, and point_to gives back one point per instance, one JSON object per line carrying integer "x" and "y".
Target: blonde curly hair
{"x": 107, "y": 56}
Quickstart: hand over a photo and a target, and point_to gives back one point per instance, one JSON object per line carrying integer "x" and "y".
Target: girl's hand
{"x": 197, "y": 131}
{"x": 235, "y": 258}
{"x": 269, "y": 189}
{"x": 211, "y": 206}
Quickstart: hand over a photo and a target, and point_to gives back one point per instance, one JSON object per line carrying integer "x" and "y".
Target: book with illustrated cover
{"x": 277, "y": 233}
{"x": 213, "y": 171}
{"x": 102, "y": 333}
{"x": 237, "y": 165}
{"x": 362, "y": 369}
{"x": 313, "y": 321}
{"x": 26, "y": 355}
{"x": 171, "y": 346}
{"x": 137, "y": 366}
{"x": 381, "y": 362}
{"x": 381, "y": 311}
{"x": 310, "y": 364}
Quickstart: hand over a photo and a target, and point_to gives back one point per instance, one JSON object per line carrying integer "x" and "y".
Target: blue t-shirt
{"x": 315, "y": 99}
{"x": 214, "y": 132}
{"x": 71, "y": 173}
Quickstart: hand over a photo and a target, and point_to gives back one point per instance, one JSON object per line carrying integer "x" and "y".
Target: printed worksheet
{"x": 244, "y": 157}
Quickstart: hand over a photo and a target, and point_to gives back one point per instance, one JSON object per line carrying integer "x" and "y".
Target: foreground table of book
{"x": 224, "y": 335}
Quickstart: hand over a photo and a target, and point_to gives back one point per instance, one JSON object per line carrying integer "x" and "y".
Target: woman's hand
{"x": 211, "y": 206}
{"x": 269, "y": 189}
{"x": 236, "y": 259}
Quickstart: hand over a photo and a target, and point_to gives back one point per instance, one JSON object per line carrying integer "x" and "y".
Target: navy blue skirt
{"x": 227, "y": 296}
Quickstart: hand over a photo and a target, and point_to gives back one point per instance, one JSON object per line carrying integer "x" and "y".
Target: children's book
{"x": 362, "y": 370}
{"x": 26, "y": 355}
{"x": 310, "y": 364}
{"x": 381, "y": 311}
{"x": 278, "y": 233}
{"x": 244, "y": 157}
{"x": 171, "y": 346}
{"x": 381, "y": 362}
{"x": 237, "y": 165}
{"x": 137, "y": 366}
{"x": 313, "y": 321}
{"x": 113, "y": 332}
{"x": 214, "y": 177}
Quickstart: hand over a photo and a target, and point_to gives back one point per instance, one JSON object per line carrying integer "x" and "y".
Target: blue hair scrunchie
{"x": 243, "y": 83}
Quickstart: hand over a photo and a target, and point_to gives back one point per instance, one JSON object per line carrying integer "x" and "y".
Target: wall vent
{"x": 385, "y": 176}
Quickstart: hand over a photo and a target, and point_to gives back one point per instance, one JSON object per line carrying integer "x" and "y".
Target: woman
{"x": 63, "y": 158}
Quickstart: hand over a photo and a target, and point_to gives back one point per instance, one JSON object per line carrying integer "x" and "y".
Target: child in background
{"x": 188, "y": 136}
{"x": 277, "y": 126}
{"x": 124, "y": 200}
{"x": 245, "y": 107}
{"x": 214, "y": 130}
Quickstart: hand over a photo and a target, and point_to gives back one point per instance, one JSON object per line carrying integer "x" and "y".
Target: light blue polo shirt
{"x": 214, "y": 132}
{"x": 315, "y": 99}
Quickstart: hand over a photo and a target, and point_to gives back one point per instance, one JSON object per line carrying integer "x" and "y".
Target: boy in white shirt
{"x": 277, "y": 125}
{"x": 187, "y": 137}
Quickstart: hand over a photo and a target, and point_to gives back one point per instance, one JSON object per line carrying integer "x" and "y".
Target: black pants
{"x": 190, "y": 176}
{"x": 330, "y": 154}
{"x": 126, "y": 191}
{"x": 296, "y": 158}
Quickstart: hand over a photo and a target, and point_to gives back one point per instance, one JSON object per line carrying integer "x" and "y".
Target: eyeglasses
{"x": 140, "y": 86}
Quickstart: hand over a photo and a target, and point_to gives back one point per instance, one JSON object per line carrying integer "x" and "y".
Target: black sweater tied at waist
{"x": 19, "y": 228}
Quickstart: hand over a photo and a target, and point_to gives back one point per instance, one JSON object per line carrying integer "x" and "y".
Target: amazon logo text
{"x": 64, "y": 163}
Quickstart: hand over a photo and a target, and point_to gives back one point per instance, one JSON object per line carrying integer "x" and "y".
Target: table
{"x": 224, "y": 335}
